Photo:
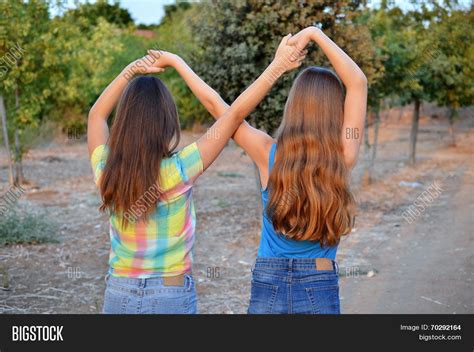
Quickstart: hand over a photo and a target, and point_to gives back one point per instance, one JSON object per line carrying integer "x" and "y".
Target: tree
{"x": 380, "y": 24}
{"x": 411, "y": 52}
{"x": 111, "y": 13}
{"x": 238, "y": 39}
{"x": 23, "y": 24}
{"x": 451, "y": 71}
{"x": 3, "y": 116}
{"x": 80, "y": 61}
{"x": 413, "y": 57}
{"x": 433, "y": 66}
{"x": 60, "y": 67}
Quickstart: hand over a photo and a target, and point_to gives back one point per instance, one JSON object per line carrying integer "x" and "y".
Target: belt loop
{"x": 291, "y": 264}
{"x": 336, "y": 267}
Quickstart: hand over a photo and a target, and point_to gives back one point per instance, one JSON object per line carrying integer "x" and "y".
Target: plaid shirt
{"x": 161, "y": 246}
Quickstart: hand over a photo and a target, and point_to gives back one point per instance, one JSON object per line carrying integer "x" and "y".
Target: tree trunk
{"x": 374, "y": 145}
{"x": 400, "y": 114}
{"x": 19, "y": 155}
{"x": 18, "y": 165}
{"x": 414, "y": 131}
{"x": 3, "y": 115}
{"x": 452, "y": 114}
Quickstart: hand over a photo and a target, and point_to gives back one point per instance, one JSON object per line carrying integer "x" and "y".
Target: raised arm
{"x": 208, "y": 97}
{"x": 256, "y": 143}
{"x": 212, "y": 143}
{"x": 355, "y": 104}
{"x": 97, "y": 128}
{"x": 230, "y": 118}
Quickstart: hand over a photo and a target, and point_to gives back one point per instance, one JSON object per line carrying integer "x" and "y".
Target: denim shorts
{"x": 149, "y": 296}
{"x": 293, "y": 286}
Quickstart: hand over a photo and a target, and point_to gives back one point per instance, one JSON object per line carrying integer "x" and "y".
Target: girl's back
{"x": 162, "y": 245}
{"x": 275, "y": 245}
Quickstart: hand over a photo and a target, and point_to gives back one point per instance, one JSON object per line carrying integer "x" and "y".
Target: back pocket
{"x": 262, "y": 298}
{"x": 324, "y": 300}
{"x": 174, "y": 303}
{"x": 115, "y": 302}
{"x": 175, "y": 299}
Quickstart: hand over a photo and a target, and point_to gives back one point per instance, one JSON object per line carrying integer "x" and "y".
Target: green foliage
{"x": 111, "y": 13}
{"x": 229, "y": 174}
{"x": 78, "y": 62}
{"x": 450, "y": 76}
{"x": 131, "y": 47}
{"x": 62, "y": 68}
{"x": 16, "y": 227}
{"x": 238, "y": 40}
{"x": 427, "y": 53}
{"x": 175, "y": 34}
{"x": 24, "y": 84}
{"x": 60, "y": 65}
{"x": 405, "y": 49}
{"x": 172, "y": 9}
{"x": 382, "y": 24}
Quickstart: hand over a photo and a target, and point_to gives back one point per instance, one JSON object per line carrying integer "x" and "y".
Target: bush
{"x": 16, "y": 227}
{"x": 237, "y": 40}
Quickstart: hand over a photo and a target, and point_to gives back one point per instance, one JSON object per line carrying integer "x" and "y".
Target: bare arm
{"x": 212, "y": 143}
{"x": 229, "y": 118}
{"x": 354, "y": 80}
{"x": 255, "y": 142}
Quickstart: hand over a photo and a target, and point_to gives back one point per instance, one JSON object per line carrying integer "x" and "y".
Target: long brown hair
{"x": 145, "y": 130}
{"x": 309, "y": 196}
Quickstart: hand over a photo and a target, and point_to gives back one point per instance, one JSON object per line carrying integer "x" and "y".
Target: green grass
{"x": 16, "y": 228}
{"x": 223, "y": 204}
{"x": 229, "y": 174}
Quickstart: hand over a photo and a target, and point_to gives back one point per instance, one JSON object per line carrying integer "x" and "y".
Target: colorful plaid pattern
{"x": 163, "y": 245}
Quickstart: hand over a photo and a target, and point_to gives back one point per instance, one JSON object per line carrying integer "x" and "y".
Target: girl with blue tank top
{"x": 304, "y": 172}
{"x": 273, "y": 245}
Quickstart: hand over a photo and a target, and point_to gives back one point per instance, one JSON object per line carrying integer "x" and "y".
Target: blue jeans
{"x": 149, "y": 296}
{"x": 293, "y": 286}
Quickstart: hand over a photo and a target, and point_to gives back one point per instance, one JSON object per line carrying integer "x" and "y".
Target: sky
{"x": 152, "y": 11}
{"x": 146, "y": 11}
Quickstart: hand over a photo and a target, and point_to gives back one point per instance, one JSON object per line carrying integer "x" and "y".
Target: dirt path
{"x": 68, "y": 276}
{"x": 431, "y": 258}
{"x": 423, "y": 267}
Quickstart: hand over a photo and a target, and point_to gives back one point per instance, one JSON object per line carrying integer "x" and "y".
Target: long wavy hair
{"x": 309, "y": 195}
{"x": 144, "y": 132}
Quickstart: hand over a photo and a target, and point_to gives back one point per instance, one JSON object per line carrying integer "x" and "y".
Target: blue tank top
{"x": 275, "y": 245}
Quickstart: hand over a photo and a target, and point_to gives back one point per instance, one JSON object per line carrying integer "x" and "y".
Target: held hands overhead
{"x": 289, "y": 55}
{"x": 144, "y": 65}
{"x": 155, "y": 62}
{"x": 303, "y": 37}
